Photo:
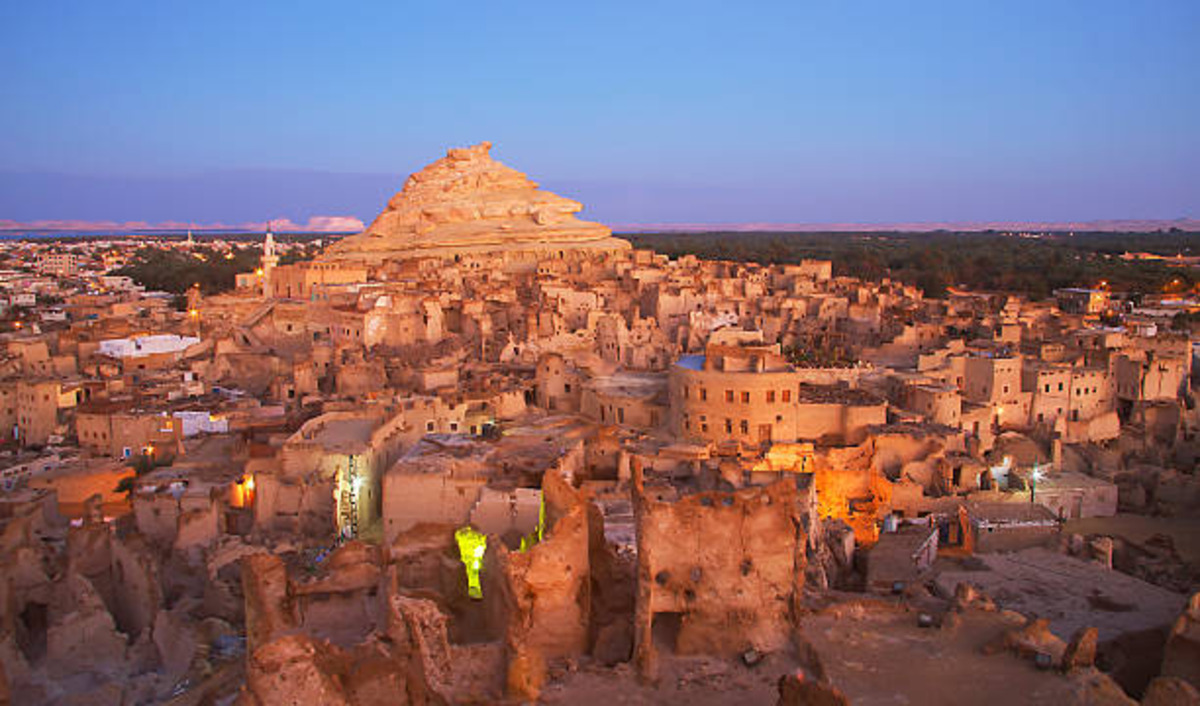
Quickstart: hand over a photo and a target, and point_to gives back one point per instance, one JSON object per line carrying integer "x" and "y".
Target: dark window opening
{"x": 664, "y": 630}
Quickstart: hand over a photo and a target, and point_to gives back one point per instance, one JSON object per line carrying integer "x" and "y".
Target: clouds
{"x": 321, "y": 224}
{"x": 315, "y": 224}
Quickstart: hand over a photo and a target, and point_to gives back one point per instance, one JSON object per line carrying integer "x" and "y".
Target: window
{"x": 620, "y": 415}
{"x": 770, "y": 396}
{"x": 1006, "y": 389}
{"x": 1047, "y": 387}
{"x": 728, "y": 426}
{"x": 429, "y": 426}
{"x": 1060, "y": 387}
{"x": 745, "y": 426}
{"x": 703, "y": 395}
{"x": 566, "y": 387}
{"x": 745, "y": 397}
{"x": 787, "y": 395}
{"x": 453, "y": 426}
{"x": 685, "y": 392}
{"x": 729, "y": 395}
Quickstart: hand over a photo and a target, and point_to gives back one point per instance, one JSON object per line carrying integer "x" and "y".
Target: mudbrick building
{"x": 486, "y": 452}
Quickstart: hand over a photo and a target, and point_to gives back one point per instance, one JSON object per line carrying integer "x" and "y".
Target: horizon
{"x": 84, "y": 231}
{"x": 930, "y": 113}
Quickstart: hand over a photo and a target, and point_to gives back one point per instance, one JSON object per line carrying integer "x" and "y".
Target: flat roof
{"x": 639, "y": 385}
{"x": 1010, "y": 513}
{"x": 1062, "y": 481}
{"x": 344, "y": 434}
{"x": 836, "y": 394}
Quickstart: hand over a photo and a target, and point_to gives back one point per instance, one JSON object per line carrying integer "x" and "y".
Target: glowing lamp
{"x": 471, "y": 546}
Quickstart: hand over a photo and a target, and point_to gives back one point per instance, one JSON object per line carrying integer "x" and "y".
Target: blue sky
{"x": 645, "y": 111}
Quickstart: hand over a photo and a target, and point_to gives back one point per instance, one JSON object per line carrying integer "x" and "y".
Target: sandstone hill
{"x": 468, "y": 202}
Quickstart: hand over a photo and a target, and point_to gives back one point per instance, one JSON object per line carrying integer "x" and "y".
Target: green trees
{"x": 980, "y": 261}
{"x": 176, "y": 270}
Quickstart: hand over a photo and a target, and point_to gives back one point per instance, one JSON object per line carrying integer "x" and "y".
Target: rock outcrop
{"x": 1081, "y": 650}
{"x": 795, "y": 690}
{"x": 1181, "y": 656}
{"x": 1170, "y": 691}
{"x": 468, "y": 202}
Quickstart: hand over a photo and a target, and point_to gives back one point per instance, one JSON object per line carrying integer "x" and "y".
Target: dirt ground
{"x": 686, "y": 681}
{"x": 882, "y": 658}
{"x": 1069, "y": 592}
{"x": 1184, "y": 531}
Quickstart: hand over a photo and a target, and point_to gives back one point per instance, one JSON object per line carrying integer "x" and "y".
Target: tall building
{"x": 269, "y": 261}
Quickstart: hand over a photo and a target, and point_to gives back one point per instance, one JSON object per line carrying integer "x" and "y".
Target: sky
{"x": 721, "y": 112}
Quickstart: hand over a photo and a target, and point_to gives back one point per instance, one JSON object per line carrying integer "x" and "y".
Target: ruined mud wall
{"x": 717, "y": 572}
{"x": 547, "y": 590}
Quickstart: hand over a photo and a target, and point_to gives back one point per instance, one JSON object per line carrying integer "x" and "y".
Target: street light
{"x": 1034, "y": 478}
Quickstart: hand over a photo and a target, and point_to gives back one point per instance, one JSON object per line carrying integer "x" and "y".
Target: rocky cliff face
{"x": 469, "y": 202}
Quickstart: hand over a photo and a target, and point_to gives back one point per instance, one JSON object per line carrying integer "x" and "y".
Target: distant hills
{"x": 1105, "y": 226}
{"x": 315, "y": 224}
{"x": 350, "y": 224}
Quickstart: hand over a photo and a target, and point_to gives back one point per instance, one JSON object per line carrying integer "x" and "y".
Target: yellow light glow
{"x": 193, "y": 313}
{"x": 472, "y": 545}
{"x": 259, "y": 272}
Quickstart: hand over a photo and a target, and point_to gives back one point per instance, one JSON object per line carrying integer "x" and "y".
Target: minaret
{"x": 269, "y": 261}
